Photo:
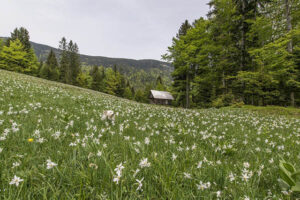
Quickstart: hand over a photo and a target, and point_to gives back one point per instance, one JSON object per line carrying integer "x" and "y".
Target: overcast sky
{"x": 138, "y": 29}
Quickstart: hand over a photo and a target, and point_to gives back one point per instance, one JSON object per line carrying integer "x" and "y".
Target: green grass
{"x": 212, "y": 146}
{"x": 275, "y": 110}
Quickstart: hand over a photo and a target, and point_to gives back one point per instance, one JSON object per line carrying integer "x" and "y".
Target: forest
{"x": 244, "y": 52}
{"x": 17, "y": 54}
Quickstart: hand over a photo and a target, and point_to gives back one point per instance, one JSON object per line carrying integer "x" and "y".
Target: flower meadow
{"x": 54, "y": 145}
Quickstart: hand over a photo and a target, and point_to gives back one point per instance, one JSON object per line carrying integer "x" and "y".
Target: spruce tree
{"x": 64, "y": 61}
{"x": 22, "y": 35}
{"x": 52, "y": 64}
{"x": 97, "y": 79}
{"x": 182, "y": 69}
{"x": 1, "y": 44}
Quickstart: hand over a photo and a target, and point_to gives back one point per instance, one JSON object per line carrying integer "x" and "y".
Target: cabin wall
{"x": 160, "y": 101}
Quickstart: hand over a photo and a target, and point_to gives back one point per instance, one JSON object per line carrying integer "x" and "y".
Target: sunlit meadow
{"x": 54, "y": 145}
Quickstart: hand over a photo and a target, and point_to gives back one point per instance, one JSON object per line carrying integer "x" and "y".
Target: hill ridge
{"x": 42, "y": 51}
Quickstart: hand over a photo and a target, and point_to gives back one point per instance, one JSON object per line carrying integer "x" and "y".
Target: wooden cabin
{"x": 160, "y": 97}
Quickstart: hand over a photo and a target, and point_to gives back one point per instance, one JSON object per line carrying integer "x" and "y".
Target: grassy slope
{"x": 275, "y": 110}
{"x": 221, "y": 141}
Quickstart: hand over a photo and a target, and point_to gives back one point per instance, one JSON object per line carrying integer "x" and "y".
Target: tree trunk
{"x": 292, "y": 99}
{"x": 243, "y": 37}
{"x": 187, "y": 89}
{"x": 290, "y": 44}
{"x": 223, "y": 82}
{"x": 289, "y": 22}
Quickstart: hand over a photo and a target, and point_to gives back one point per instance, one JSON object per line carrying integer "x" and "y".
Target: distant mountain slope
{"x": 43, "y": 50}
{"x": 139, "y": 72}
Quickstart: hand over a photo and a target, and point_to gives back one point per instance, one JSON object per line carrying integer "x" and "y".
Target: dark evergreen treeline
{"x": 246, "y": 51}
{"x": 16, "y": 54}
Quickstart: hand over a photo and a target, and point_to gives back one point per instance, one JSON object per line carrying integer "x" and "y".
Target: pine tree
{"x": 76, "y": 68}
{"x": 182, "y": 69}
{"x": 159, "y": 84}
{"x": 22, "y": 35}
{"x": 97, "y": 79}
{"x": 1, "y": 44}
{"x": 140, "y": 96}
{"x": 121, "y": 82}
{"x": 84, "y": 80}
{"x": 45, "y": 72}
{"x": 52, "y": 64}
{"x": 64, "y": 61}
{"x": 110, "y": 82}
{"x": 73, "y": 69}
{"x": 128, "y": 93}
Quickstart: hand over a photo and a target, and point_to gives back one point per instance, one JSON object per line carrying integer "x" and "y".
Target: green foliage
{"x": 1, "y": 44}
{"x": 22, "y": 35}
{"x": 138, "y": 72}
{"x": 140, "y": 96}
{"x": 249, "y": 49}
{"x": 84, "y": 80}
{"x": 51, "y": 69}
{"x": 18, "y": 53}
{"x": 97, "y": 78}
{"x": 111, "y": 82}
{"x": 45, "y": 72}
{"x": 73, "y": 69}
{"x": 63, "y": 60}
{"x": 14, "y": 57}
{"x": 223, "y": 101}
{"x": 128, "y": 93}
{"x": 290, "y": 178}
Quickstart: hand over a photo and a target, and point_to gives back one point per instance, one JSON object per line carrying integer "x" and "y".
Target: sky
{"x": 136, "y": 29}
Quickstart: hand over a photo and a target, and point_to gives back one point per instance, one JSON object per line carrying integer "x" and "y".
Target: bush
{"x": 218, "y": 103}
{"x": 223, "y": 101}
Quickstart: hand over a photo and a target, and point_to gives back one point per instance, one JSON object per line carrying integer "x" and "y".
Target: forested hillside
{"x": 244, "y": 52}
{"x": 65, "y": 65}
{"x": 139, "y": 72}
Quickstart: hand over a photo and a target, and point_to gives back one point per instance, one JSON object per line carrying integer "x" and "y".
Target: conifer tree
{"x": 52, "y": 64}
{"x": 159, "y": 84}
{"x": 110, "y": 82}
{"x": 1, "y": 44}
{"x": 97, "y": 79}
{"x": 22, "y": 35}
{"x": 64, "y": 62}
{"x": 181, "y": 74}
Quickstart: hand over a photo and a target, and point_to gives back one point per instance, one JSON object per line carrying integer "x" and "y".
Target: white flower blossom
{"x": 16, "y": 181}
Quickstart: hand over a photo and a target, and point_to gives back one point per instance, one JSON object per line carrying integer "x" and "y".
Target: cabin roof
{"x": 161, "y": 95}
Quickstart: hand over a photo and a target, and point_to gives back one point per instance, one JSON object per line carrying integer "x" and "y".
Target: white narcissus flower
{"x": 187, "y": 175}
{"x": 144, "y": 163}
{"x": 16, "y": 181}
{"x": 147, "y": 140}
{"x": 246, "y": 165}
{"x": 50, "y": 164}
{"x": 99, "y": 153}
{"x": 140, "y": 184}
{"x": 174, "y": 156}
